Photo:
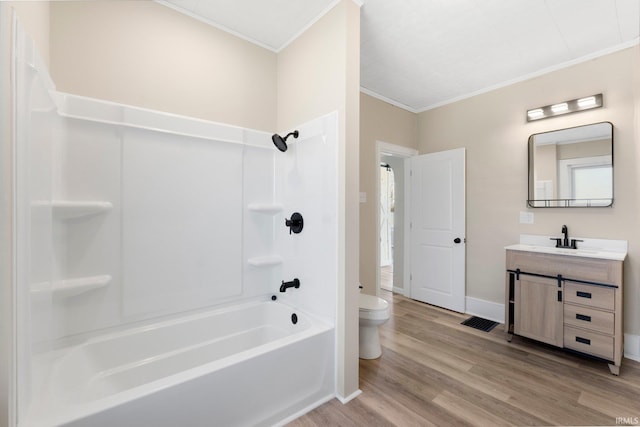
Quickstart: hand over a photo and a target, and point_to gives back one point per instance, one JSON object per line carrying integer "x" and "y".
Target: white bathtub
{"x": 243, "y": 365}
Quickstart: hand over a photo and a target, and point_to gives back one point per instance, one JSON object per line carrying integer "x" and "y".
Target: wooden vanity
{"x": 567, "y": 299}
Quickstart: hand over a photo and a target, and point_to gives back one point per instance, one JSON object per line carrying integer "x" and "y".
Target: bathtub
{"x": 256, "y": 363}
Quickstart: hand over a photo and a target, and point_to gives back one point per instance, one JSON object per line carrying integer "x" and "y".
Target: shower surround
{"x": 149, "y": 248}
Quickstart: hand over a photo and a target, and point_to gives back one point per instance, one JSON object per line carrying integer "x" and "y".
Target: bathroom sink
{"x": 588, "y": 253}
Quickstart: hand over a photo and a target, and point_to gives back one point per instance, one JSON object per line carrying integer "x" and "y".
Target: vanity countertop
{"x": 587, "y": 253}
{"x": 590, "y": 248}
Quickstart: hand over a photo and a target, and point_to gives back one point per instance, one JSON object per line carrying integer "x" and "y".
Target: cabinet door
{"x": 538, "y": 309}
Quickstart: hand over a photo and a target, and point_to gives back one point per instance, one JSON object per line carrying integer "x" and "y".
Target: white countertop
{"x": 589, "y": 248}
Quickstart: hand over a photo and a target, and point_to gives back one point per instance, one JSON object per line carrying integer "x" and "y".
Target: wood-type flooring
{"x": 436, "y": 372}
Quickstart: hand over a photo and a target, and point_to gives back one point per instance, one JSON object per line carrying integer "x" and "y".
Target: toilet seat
{"x": 372, "y": 307}
{"x": 371, "y": 303}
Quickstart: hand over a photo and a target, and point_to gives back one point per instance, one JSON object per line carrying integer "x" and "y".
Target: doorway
{"x": 387, "y": 222}
{"x": 391, "y": 216}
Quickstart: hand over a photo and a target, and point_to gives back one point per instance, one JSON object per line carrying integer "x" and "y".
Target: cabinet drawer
{"x": 592, "y": 296}
{"x": 588, "y": 342}
{"x": 608, "y": 272}
{"x": 588, "y": 318}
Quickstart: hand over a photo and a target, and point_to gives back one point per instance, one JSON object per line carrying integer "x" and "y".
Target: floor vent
{"x": 480, "y": 323}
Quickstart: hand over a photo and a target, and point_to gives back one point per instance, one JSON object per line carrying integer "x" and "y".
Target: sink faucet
{"x": 295, "y": 283}
{"x": 563, "y": 242}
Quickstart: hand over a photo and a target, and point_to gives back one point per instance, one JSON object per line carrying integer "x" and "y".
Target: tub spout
{"x": 295, "y": 283}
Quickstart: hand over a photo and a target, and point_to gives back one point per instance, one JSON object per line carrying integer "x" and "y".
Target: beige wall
{"x": 319, "y": 73}
{"x": 145, "y": 54}
{"x": 584, "y": 149}
{"x": 379, "y": 121}
{"x": 493, "y": 128}
{"x": 34, "y": 17}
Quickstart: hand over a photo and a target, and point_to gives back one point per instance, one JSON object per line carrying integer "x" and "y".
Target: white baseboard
{"x": 349, "y": 398}
{"x": 301, "y": 412}
{"x": 485, "y": 309}
{"x": 398, "y": 290}
{"x": 632, "y": 347}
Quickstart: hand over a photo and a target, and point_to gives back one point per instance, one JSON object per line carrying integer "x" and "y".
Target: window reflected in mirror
{"x": 572, "y": 167}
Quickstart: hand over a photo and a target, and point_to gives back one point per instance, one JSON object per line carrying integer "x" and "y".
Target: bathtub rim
{"x": 44, "y": 413}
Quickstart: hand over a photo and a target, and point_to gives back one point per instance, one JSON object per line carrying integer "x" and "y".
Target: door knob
{"x": 457, "y": 240}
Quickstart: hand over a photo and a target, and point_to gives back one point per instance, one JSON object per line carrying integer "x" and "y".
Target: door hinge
{"x": 410, "y": 172}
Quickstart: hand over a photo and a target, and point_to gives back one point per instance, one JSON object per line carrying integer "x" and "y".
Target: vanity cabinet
{"x": 539, "y": 311}
{"x": 567, "y": 301}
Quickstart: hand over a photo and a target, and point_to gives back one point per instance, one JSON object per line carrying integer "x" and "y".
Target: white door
{"x": 438, "y": 229}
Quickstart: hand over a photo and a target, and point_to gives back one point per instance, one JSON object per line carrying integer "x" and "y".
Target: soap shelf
{"x": 72, "y": 287}
{"x": 265, "y": 261}
{"x": 63, "y": 209}
{"x": 265, "y": 208}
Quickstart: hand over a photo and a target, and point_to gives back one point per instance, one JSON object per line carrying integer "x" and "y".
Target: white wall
{"x": 173, "y": 239}
{"x": 35, "y": 16}
{"x": 307, "y": 182}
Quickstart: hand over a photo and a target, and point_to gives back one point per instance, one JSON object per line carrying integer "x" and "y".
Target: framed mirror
{"x": 572, "y": 167}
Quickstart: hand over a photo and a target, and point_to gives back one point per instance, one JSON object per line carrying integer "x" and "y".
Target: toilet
{"x": 374, "y": 312}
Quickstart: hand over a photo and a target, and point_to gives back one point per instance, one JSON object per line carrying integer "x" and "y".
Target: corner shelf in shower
{"x": 265, "y": 261}
{"x": 63, "y": 209}
{"x": 265, "y": 208}
{"x": 72, "y": 287}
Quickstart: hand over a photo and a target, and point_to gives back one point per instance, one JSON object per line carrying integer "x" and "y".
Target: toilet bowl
{"x": 374, "y": 312}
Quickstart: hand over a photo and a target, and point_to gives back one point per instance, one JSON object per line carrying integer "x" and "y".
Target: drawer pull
{"x": 583, "y": 340}
{"x": 583, "y": 317}
{"x": 583, "y": 294}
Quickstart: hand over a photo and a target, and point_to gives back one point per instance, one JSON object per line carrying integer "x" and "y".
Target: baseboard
{"x": 303, "y": 411}
{"x": 632, "y": 347}
{"x": 485, "y": 309}
{"x": 349, "y": 398}
{"x": 398, "y": 290}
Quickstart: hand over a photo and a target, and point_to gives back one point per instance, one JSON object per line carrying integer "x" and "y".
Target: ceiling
{"x": 420, "y": 54}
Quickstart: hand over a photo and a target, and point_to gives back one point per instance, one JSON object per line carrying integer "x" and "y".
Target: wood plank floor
{"x": 386, "y": 277}
{"x": 436, "y": 372}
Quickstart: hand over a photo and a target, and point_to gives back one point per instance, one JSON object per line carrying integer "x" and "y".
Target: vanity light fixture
{"x": 560, "y": 108}
{"x": 536, "y": 114}
{"x": 588, "y": 102}
{"x": 573, "y": 106}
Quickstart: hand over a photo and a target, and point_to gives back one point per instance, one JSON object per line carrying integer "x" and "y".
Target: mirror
{"x": 572, "y": 167}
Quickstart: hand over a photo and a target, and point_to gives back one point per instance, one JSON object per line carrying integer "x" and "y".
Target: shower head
{"x": 280, "y": 142}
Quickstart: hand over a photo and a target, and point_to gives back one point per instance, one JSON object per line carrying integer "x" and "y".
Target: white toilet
{"x": 374, "y": 311}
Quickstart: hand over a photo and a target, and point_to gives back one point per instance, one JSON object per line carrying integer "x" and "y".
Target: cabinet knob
{"x": 457, "y": 240}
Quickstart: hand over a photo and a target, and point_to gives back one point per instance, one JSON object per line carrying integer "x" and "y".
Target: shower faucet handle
{"x": 295, "y": 224}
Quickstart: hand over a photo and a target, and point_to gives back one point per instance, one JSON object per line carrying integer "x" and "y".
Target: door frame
{"x": 386, "y": 148}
